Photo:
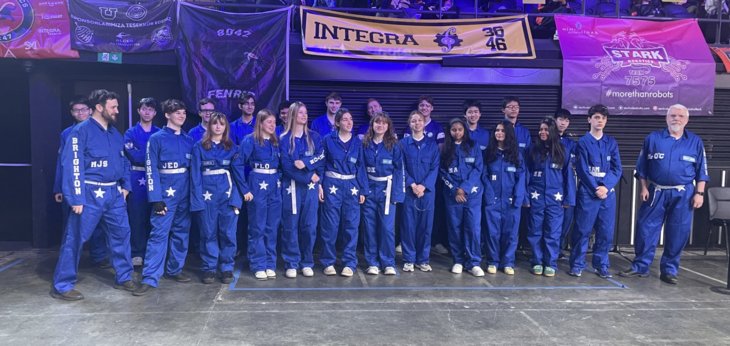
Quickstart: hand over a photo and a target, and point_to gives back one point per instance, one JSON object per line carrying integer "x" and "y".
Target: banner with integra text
{"x": 35, "y": 29}
{"x": 224, "y": 55}
{"x": 635, "y": 67}
{"x": 336, "y": 34}
{"x": 123, "y": 26}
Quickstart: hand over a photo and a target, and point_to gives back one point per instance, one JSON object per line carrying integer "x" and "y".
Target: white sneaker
{"x": 457, "y": 268}
{"x": 425, "y": 267}
{"x": 307, "y": 272}
{"x": 407, "y": 267}
{"x": 476, "y": 271}
{"x": 330, "y": 271}
{"x": 398, "y": 249}
{"x": 389, "y": 271}
{"x": 346, "y": 272}
{"x": 137, "y": 261}
{"x": 271, "y": 274}
{"x": 440, "y": 249}
{"x": 372, "y": 270}
{"x": 492, "y": 269}
{"x": 291, "y": 273}
{"x": 260, "y": 275}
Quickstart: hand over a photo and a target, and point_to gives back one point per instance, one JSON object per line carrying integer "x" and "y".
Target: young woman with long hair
{"x": 302, "y": 165}
{"x": 461, "y": 171}
{"x": 214, "y": 195}
{"x": 504, "y": 191}
{"x": 384, "y": 167}
{"x": 262, "y": 190}
{"x": 551, "y": 188}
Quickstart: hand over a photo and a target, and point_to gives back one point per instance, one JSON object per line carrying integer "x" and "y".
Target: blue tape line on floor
{"x": 11, "y": 264}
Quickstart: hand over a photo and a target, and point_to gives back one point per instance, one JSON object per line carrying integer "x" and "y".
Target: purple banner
{"x": 635, "y": 67}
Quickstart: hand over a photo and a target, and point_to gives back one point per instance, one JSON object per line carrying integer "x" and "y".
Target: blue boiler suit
{"x": 214, "y": 195}
{"x": 464, "y": 219}
{"x": 300, "y": 202}
{"x": 597, "y": 164}
{"x": 386, "y": 186}
{"x": 264, "y": 211}
{"x": 95, "y": 172}
{"x": 168, "y": 180}
{"x": 481, "y": 137}
{"x": 239, "y": 130}
{"x": 433, "y": 130}
{"x": 670, "y": 166}
{"x": 421, "y": 159}
{"x": 138, "y": 207}
{"x": 504, "y": 191}
{"x": 344, "y": 181}
{"x": 569, "y": 212}
{"x": 197, "y": 132}
{"x": 97, "y": 242}
{"x": 551, "y": 187}
{"x": 322, "y": 126}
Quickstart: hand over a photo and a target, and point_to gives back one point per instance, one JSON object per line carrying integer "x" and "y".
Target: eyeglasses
{"x": 80, "y": 110}
{"x": 512, "y": 107}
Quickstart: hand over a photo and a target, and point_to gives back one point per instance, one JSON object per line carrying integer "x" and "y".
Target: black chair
{"x": 719, "y": 203}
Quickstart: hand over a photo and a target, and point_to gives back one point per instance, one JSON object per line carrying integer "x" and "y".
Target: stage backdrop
{"x": 128, "y": 27}
{"x": 223, "y": 55}
{"x": 35, "y": 29}
{"x": 635, "y": 67}
{"x": 337, "y": 34}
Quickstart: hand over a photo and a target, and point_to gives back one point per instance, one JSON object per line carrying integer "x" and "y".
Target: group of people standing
{"x": 296, "y": 185}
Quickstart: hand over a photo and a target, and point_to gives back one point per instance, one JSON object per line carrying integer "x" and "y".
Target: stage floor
{"x": 409, "y": 308}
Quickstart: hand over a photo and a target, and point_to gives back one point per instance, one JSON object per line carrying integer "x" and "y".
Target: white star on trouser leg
{"x": 288, "y": 190}
{"x": 558, "y": 196}
{"x": 170, "y": 192}
{"x": 141, "y": 181}
{"x": 99, "y": 193}
{"x": 207, "y": 195}
{"x": 333, "y": 190}
{"x": 263, "y": 185}
{"x": 354, "y": 191}
{"x": 474, "y": 189}
{"x": 534, "y": 195}
{"x": 311, "y": 186}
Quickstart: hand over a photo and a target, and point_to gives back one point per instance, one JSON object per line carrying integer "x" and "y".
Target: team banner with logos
{"x": 35, "y": 29}
{"x": 123, "y": 26}
{"x": 337, "y": 34}
{"x": 223, "y": 55}
{"x": 635, "y": 67}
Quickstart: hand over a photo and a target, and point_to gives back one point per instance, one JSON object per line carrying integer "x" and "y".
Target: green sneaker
{"x": 537, "y": 270}
{"x": 549, "y": 272}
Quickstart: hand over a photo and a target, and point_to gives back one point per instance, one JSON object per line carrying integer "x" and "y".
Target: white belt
{"x": 293, "y": 188}
{"x": 667, "y": 187}
{"x": 599, "y": 174}
{"x": 265, "y": 171}
{"x": 96, "y": 183}
{"x": 388, "y": 188}
{"x": 219, "y": 172}
{"x": 138, "y": 168}
{"x": 339, "y": 176}
{"x": 173, "y": 171}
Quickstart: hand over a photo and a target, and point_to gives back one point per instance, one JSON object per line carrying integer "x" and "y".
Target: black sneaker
{"x": 227, "y": 277}
{"x": 142, "y": 290}
{"x": 630, "y": 273}
{"x": 71, "y": 295}
{"x": 104, "y": 264}
{"x": 181, "y": 277}
{"x": 669, "y": 278}
{"x": 128, "y": 285}
{"x": 208, "y": 277}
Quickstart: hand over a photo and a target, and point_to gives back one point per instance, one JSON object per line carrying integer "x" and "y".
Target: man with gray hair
{"x": 670, "y": 161}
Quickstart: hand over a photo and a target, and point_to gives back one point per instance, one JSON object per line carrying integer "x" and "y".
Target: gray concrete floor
{"x": 411, "y": 308}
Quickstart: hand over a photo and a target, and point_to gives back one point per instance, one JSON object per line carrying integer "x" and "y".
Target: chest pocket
{"x": 510, "y": 169}
{"x": 98, "y": 153}
{"x": 688, "y": 162}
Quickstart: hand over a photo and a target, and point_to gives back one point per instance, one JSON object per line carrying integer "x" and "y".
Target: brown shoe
{"x": 71, "y": 295}
{"x": 128, "y": 285}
